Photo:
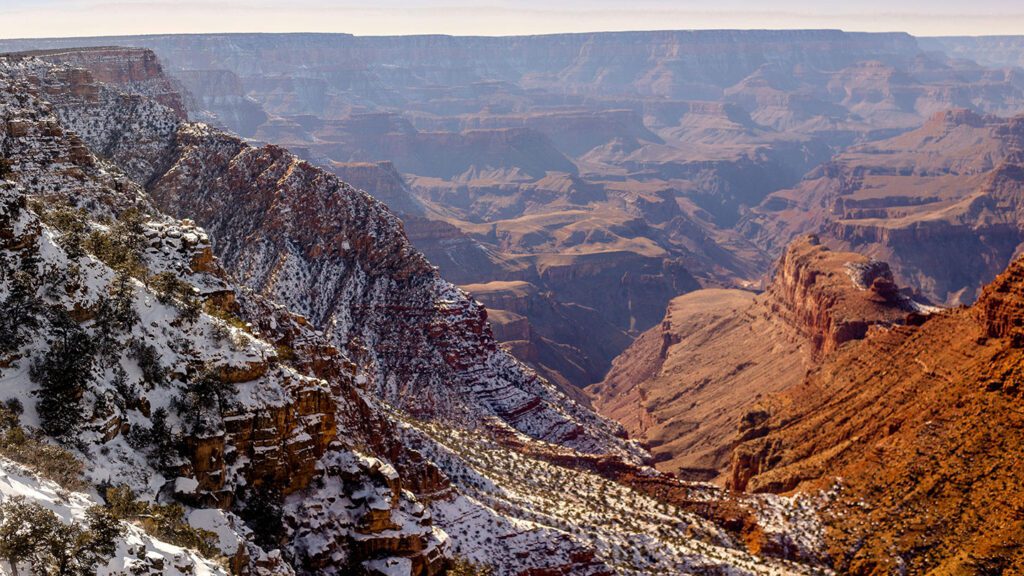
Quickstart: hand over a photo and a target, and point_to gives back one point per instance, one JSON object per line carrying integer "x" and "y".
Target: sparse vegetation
{"x": 203, "y": 400}
{"x": 49, "y": 461}
{"x": 32, "y": 534}
{"x": 163, "y": 521}
{"x": 462, "y": 567}
{"x": 148, "y": 358}
{"x": 63, "y": 374}
{"x": 121, "y": 246}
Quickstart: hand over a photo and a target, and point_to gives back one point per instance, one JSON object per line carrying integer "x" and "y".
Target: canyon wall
{"x": 685, "y": 387}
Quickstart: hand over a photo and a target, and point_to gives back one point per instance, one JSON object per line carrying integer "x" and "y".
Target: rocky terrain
{"x": 684, "y": 387}
{"x": 939, "y": 203}
{"x": 917, "y": 430}
{"x": 398, "y": 377}
{"x": 241, "y": 343}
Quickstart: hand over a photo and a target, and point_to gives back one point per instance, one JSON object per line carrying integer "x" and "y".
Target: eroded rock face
{"x": 940, "y": 203}
{"x": 277, "y": 421}
{"x": 219, "y": 97}
{"x": 532, "y": 323}
{"x": 340, "y": 258}
{"x": 134, "y": 70}
{"x": 916, "y": 432}
{"x": 833, "y": 297}
{"x": 1002, "y": 306}
{"x": 685, "y": 387}
{"x": 386, "y": 184}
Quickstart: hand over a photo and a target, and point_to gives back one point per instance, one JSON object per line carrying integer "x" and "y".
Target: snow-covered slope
{"x": 135, "y": 551}
{"x": 158, "y": 382}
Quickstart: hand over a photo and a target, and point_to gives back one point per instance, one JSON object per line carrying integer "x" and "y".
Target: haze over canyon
{"x": 710, "y": 302}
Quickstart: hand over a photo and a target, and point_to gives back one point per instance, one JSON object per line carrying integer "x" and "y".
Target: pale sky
{"x": 39, "y": 18}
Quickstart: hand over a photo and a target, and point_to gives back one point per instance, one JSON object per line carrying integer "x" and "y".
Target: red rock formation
{"x": 917, "y": 431}
{"x": 685, "y": 386}
{"x": 939, "y": 203}
{"x": 133, "y": 70}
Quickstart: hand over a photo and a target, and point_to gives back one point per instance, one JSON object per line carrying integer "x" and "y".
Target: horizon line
{"x": 444, "y": 35}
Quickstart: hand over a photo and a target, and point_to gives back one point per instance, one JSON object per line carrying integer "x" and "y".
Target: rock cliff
{"x": 684, "y": 387}
{"x": 915, "y": 431}
{"x": 940, "y": 203}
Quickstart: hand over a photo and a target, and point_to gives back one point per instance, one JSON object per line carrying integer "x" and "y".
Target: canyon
{"x": 916, "y": 430}
{"x": 646, "y": 164}
{"x": 615, "y": 303}
{"x": 684, "y": 387}
{"x": 286, "y": 353}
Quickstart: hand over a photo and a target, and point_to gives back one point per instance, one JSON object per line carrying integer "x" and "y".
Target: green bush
{"x": 204, "y": 399}
{"x": 63, "y": 374}
{"x": 20, "y": 308}
{"x": 73, "y": 225}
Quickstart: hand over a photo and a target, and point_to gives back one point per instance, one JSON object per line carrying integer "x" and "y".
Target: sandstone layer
{"x": 917, "y": 433}
{"x": 685, "y": 386}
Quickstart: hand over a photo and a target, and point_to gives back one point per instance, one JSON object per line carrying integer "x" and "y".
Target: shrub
{"x": 25, "y": 529}
{"x": 262, "y": 512}
{"x": 49, "y": 461}
{"x": 168, "y": 287}
{"x": 63, "y": 375}
{"x": 121, "y": 246}
{"x": 229, "y": 317}
{"x": 461, "y": 567}
{"x": 31, "y": 533}
{"x": 125, "y": 393}
{"x": 285, "y": 353}
{"x": 74, "y": 227}
{"x": 20, "y": 309}
{"x": 148, "y": 359}
{"x": 162, "y": 442}
{"x": 203, "y": 400}
{"x": 115, "y": 314}
{"x": 163, "y": 521}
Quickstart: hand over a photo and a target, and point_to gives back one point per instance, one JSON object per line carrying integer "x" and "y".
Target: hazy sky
{"x": 34, "y": 18}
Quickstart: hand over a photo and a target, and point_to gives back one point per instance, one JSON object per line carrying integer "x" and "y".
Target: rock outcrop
{"x": 940, "y": 203}
{"x": 133, "y": 70}
{"x": 916, "y": 432}
{"x": 685, "y": 387}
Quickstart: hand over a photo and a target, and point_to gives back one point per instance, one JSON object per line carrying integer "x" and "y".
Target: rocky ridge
{"x": 939, "y": 203}
{"x": 684, "y": 387}
{"x": 917, "y": 430}
{"x": 274, "y": 428}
